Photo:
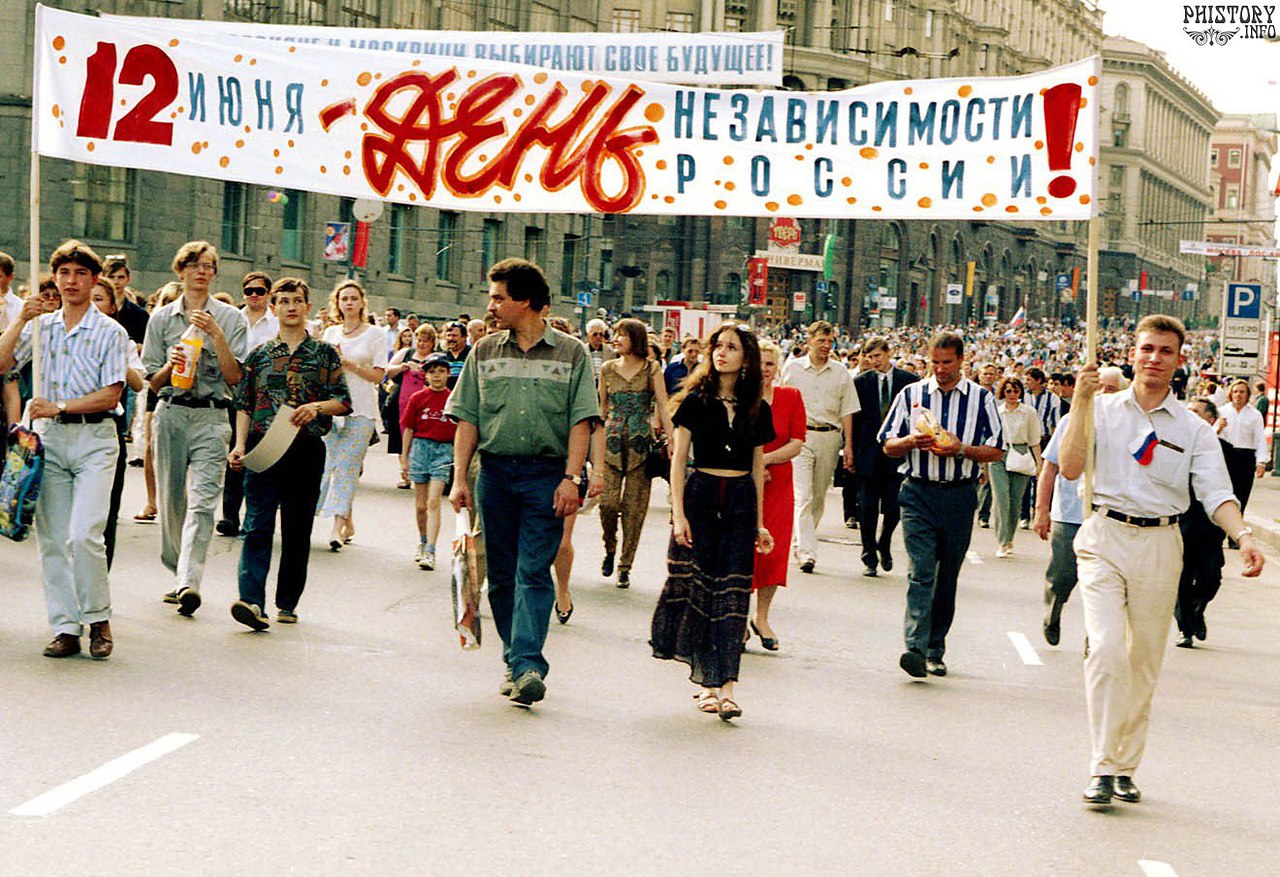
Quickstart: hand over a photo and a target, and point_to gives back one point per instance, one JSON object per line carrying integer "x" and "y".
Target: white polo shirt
{"x": 828, "y": 392}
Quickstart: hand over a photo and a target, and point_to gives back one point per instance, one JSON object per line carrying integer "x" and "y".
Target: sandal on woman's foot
{"x": 770, "y": 643}
{"x": 728, "y": 709}
{"x": 145, "y": 516}
{"x": 707, "y": 702}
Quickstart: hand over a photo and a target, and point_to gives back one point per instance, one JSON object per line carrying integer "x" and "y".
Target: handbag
{"x": 20, "y": 482}
{"x": 656, "y": 463}
{"x": 1019, "y": 462}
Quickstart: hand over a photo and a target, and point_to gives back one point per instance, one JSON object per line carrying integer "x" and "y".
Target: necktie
{"x": 884, "y": 396}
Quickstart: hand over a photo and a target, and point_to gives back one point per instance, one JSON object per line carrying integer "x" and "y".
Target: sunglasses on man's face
{"x": 255, "y": 290}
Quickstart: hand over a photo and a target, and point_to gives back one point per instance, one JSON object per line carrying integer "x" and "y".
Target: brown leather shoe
{"x": 64, "y": 645}
{"x": 100, "y": 643}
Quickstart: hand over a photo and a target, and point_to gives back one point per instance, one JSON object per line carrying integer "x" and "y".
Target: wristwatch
{"x": 62, "y": 408}
{"x": 576, "y": 479}
{"x": 1247, "y": 531}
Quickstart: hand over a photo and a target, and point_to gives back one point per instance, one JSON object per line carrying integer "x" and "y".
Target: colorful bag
{"x": 20, "y": 482}
{"x": 466, "y": 583}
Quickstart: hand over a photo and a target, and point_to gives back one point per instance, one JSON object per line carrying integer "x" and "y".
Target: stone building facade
{"x": 1243, "y": 203}
{"x": 433, "y": 261}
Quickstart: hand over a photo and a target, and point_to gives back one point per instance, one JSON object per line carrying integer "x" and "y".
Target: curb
{"x": 1267, "y": 533}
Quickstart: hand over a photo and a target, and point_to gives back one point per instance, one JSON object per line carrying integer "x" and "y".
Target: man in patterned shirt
{"x": 292, "y": 369}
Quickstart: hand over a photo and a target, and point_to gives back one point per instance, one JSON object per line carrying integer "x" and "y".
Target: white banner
{"x": 467, "y": 134}
{"x": 955, "y": 293}
{"x": 713, "y": 58}
{"x": 1214, "y": 248}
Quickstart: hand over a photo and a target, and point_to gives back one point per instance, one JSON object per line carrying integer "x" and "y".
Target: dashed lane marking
{"x": 1025, "y": 650}
{"x": 118, "y": 768}
{"x": 1156, "y": 869}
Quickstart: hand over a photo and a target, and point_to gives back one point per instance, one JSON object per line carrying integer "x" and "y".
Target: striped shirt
{"x": 93, "y": 355}
{"x": 1049, "y": 407}
{"x": 967, "y": 411}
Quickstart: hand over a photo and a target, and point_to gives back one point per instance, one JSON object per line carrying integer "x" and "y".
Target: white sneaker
{"x": 427, "y": 560}
{"x": 1002, "y": 552}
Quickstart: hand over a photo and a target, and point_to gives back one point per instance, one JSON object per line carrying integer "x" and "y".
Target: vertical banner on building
{"x": 968, "y": 279}
{"x": 360, "y": 251}
{"x": 757, "y": 281}
{"x": 337, "y": 241}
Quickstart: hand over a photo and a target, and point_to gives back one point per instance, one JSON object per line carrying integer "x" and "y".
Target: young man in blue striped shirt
{"x": 83, "y": 359}
{"x": 944, "y": 427}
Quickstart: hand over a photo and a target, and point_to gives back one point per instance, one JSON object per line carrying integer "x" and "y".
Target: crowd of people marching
{"x": 516, "y": 418}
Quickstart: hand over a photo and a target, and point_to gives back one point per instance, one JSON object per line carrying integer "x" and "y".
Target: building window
{"x": 535, "y": 245}
{"x": 1213, "y": 157}
{"x": 626, "y": 20}
{"x": 397, "y": 237}
{"x": 489, "y": 243}
{"x": 235, "y": 210}
{"x": 291, "y": 235}
{"x": 304, "y": 12}
{"x": 446, "y": 238}
{"x": 888, "y": 10}
{"x": 928, "y": 24}
{"x": 361, "y": 13}
{"x": 731, "y": 291}
{"x": 1233, "y": 158}
{"x": 984, "y": 56}
{"x": 1233, "y": 196}
{"x": 680, "y": 22}
{"x": 103, "y": 209}
{"x": 606, "y": 263}
{"x": 1120, "y": 136}
{"x": 734, "y": 23}
{"x": 569, "y": 264}
{"x": 662, "y": 286}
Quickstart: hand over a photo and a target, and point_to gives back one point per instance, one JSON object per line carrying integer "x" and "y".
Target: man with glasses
{"x": 191, "y": 433}
{"x": 263, "y": 326}
{"x": 597, "y": 349}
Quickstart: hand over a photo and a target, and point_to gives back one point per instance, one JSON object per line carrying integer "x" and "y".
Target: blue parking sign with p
{"x": 1244, "y": 301}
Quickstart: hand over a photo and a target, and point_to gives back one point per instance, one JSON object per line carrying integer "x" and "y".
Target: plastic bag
{"x": 20, "y": 482}
{"x": 466, "y": 583}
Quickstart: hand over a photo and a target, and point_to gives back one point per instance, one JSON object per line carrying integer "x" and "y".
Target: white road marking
{"x": 118, "y": 768}
{"x": 973, "y": 557}
{"x": 1025, "y": 649}
{"x": 1156, "y": 869}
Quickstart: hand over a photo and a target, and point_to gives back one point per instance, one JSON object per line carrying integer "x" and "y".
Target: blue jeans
{"x": 292, "y": 487}
{"x": 937, "y": 523}
{"x": 522, "y": 535}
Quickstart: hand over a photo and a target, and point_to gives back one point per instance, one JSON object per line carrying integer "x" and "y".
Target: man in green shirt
{"x": 526, "y": 401}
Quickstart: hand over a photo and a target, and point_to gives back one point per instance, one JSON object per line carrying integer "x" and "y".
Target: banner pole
{"x": 1091, "y": 356}
{"x": 34, "y": 255}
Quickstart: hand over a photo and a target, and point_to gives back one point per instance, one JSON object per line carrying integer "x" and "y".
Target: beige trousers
{"x": 1128, "y": 586}
{"x": 812, "y": 472}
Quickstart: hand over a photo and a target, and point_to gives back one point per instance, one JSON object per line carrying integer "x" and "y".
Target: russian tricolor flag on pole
{"x": 1019, "y": 319}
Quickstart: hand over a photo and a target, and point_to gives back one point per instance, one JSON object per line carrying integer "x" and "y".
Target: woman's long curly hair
{"x": 704, "y": 379}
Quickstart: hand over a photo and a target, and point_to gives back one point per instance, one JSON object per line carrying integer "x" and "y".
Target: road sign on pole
{"x": 1241, "y": 329}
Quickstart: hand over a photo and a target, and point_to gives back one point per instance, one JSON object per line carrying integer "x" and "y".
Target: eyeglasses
{"x": 255, "y": 290}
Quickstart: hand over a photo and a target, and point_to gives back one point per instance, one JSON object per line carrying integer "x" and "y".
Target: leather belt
{"x": 944, "y": 485}
{"x": 97, "y": 417}
{"x": 188, "y": 402}
{"x": 1135, "y": 521}
{"x": 811, "y": 428}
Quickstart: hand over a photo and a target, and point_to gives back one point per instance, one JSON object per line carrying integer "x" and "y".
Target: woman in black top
{"x": 716, "y": 516}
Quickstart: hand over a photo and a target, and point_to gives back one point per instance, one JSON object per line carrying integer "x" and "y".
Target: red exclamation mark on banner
{"x": 1061, "y": 108}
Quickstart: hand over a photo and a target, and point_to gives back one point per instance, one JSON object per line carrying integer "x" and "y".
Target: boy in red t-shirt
{"x": 427, "y": 458}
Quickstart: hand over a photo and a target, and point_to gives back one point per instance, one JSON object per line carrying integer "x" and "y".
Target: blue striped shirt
{"x": 967, "y": 411}
{"x": 93, "y": 355}
{"x": 1049, "y": 407}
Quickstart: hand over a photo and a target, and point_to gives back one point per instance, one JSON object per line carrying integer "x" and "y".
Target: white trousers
{"x": 1128, "y": 586}
{"x": 812, "y": 472}
{"x": 71, "y": 515}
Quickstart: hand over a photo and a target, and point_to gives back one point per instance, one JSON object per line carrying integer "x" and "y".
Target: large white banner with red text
{"x": 480, "y": 135}
{"x": 721, "y": 58}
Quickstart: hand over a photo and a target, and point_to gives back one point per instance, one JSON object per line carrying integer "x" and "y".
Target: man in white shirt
{"x": 1240, "y": 426}
{"x": 1150, "y": 451}
{"x": 10, "y": 304}
{"x": 829, "y": 403}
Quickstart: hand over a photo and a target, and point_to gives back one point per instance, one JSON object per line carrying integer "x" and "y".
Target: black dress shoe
{"x": 869, "y": 572}
{"x": 1185, "y": 642}
{"x": 1100, "y": 790}
{"x": 624, "y": 578}
{"x": 1126, "y": 791}
{"x": 850, "y": 524}
{"x": 1052, "y": 617}
{"x": 886, "y": 561}
{"x": 562, "y": 617}
{"x": 806, "y": 566}
{"x": 227, "y": 528}
{"x": 935, "y": 667}
{"x": 913, "y": 663}
{"x": 606, "y": 568}
{"x": 1202, "y": 629}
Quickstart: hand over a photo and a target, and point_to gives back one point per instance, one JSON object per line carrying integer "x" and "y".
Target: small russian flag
{"x": 1146, "y": 449}
{"x": 1019, "y": 319}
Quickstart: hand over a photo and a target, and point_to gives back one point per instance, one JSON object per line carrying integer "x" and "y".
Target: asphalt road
{"x": 364, "y": 741}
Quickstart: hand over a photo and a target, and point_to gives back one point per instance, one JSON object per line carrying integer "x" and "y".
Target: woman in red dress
{"x": 787, "y": 408}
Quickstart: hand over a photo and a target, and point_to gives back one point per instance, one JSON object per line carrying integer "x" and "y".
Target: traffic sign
{"x": 1241, "y": 329}
{"x": 584, "y": 298}
{"x": 799, "y": 302}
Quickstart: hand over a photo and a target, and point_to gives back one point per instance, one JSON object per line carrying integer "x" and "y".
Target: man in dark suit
{"x": 878, "y": 474}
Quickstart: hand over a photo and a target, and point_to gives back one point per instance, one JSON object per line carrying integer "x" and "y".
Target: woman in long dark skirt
{"x": 716, "y": 517}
